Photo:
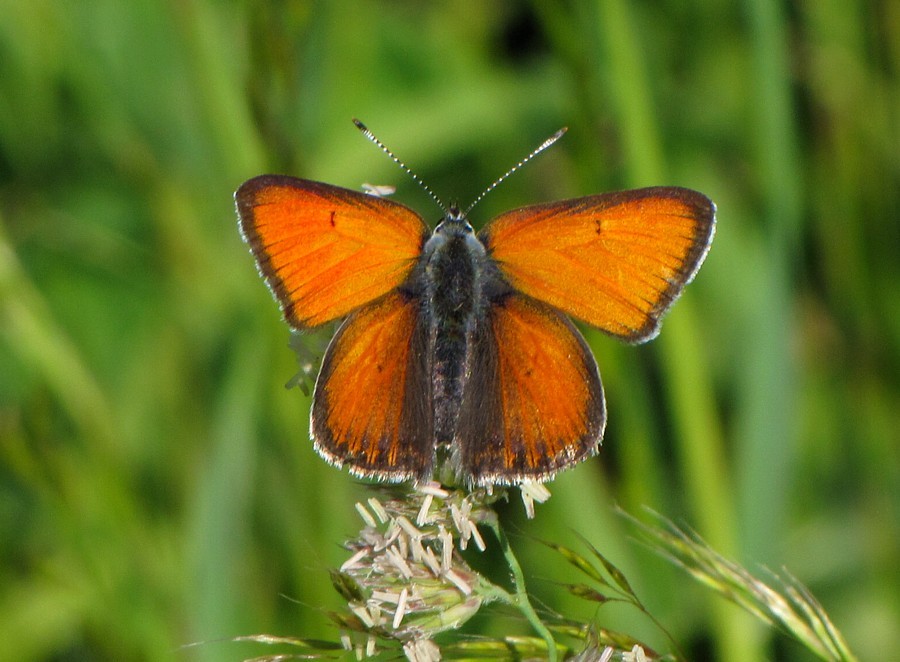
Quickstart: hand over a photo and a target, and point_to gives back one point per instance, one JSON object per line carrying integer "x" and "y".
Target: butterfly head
{"x": 455, "y": 223}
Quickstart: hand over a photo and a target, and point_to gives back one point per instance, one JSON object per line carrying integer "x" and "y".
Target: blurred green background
{"x": 157, "y": 485}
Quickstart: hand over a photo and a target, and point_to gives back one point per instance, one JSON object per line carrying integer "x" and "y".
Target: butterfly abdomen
{"x": 452, "y": 301}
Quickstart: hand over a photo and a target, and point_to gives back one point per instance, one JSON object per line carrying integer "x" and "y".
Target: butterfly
{"x": 456, "y": 347}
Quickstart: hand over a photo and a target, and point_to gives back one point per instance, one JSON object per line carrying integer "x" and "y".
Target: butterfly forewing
{"x": 372, "y": 402}
{"x": 616, "y": 261}
{"x": 533, "y": 403}
{"x": 324, "y": 250}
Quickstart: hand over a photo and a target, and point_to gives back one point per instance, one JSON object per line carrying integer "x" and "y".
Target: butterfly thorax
{"x": 454, "y": 262}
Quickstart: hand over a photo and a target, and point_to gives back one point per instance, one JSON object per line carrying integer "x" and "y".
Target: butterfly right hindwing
{"x": 533, "y": 402}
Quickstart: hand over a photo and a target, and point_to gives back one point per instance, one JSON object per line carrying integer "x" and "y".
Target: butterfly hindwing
{"x": 533, "y": 402}
{"x": 616, "y": 261}
{"x": 372, "y": 403}
{"x": 325, "y": 250}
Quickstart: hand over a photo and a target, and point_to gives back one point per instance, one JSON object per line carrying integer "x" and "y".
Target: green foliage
{"x": 157, "y": 486}
{"x": 789, "y": 606}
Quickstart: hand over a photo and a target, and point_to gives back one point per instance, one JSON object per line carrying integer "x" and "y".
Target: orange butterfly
{"x": 456, "y": 345}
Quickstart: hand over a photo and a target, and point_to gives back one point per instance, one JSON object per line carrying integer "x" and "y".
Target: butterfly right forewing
{"x": 616, "y": 261}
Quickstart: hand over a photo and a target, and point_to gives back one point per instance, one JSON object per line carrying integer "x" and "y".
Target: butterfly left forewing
{"x": 533, "y": 402}
{"x": 616, "y": 261}
{"x": 326, "y": 250}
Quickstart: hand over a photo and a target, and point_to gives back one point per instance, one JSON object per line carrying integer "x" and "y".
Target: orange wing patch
{"x": 324, "y": 250}
{"x": 540, "y": 397}
{"x": 616, "y": 260}
{"x": 369, "y": 411}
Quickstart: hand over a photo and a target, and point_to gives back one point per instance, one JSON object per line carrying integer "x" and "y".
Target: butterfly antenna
{"x": 371, "y": 136}
{"x": 540, "y": 148}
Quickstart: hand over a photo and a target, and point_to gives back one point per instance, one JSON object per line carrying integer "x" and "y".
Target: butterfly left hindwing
{"x": 372, "y": 403}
